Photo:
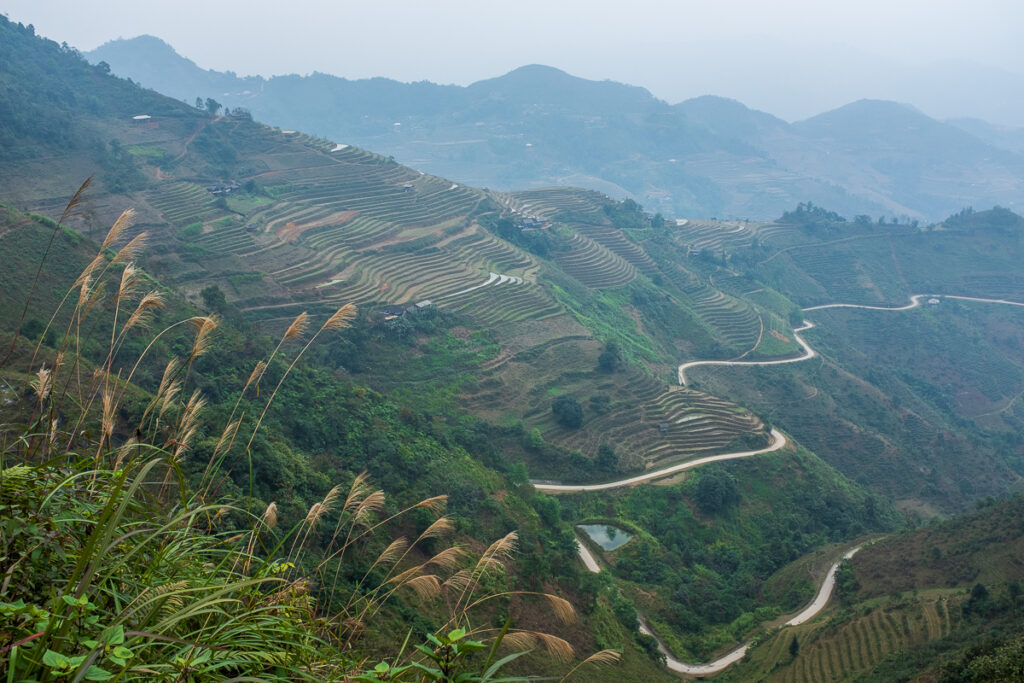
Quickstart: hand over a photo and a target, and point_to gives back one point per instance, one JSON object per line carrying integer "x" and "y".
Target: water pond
{"x": 606, "y": 536}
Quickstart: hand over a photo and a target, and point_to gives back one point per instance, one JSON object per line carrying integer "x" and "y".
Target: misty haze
{"x": 574, "y": 341}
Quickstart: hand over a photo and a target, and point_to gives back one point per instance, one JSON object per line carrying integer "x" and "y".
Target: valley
{"x": 749, "y": 401}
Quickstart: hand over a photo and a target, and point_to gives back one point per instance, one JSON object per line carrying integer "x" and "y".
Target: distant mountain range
{"x": 538, "y": 126}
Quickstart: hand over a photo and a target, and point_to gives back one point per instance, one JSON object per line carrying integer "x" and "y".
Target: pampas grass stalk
{"x": 69, "y": 210}
{"x": 341, "y": 319}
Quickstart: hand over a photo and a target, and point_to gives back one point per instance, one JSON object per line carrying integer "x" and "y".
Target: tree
{"x": 567, "y": 411}
{"x": 104, "y": 67}
{"x": 214, "y": 299}
{"x": 199, "y": 102}
{"x": 212, "y": 105}
{"x": 607, "y": 459}
{"x": 794, "y": 647}
{"x": 716, "y": 491}
{"x": 32, "y": 328}
{"x": 610, "y": 358}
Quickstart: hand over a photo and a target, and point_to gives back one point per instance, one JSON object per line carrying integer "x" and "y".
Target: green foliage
{"x": 214, "y": 299}
{"x": 814, "y": 219}
{"x": 49, "y": 87}
{"x": 996, "y": 219}
{"x": 121, "y": 560}
{"x": 716, "y": 491}
{"x": 539, "y": 242}
{"x": 191, "y": 231}
{"x": 567, "y": 411}
{"x": 610, "y": 358}
{"x": 628, "y": 214}
{"x": 607, "y": 459}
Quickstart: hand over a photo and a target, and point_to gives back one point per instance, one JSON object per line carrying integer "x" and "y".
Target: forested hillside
{"x": 284, "y": 323}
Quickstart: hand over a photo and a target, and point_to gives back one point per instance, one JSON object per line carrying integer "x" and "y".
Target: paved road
{"x": 824, "y": 593}
{"x": 589, "y": 561}
{"x": 808, "y": 352}
{"x": 779, "y": 441}
{"x": 706, "y": 668}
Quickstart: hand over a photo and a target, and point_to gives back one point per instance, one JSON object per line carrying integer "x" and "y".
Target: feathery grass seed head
{"x": 107, "y": 418}
{"x": 426, "y": 587}
{"x": 204, "y": 326}
{"x": 297, "y": 328}
{"x": 562, "y": 608}
{"x": 123, "y": 222}
{"x": 41, "y": 384}
{"x": 439, "y": 527}
{"x": 342, "y": 318}
{"x": 557, "y": 647}
{"x": 143, "y": 313}
{"x": 132, "y": 249}
{"x": 437, "y": 504}
{"x": 269, "y": 517}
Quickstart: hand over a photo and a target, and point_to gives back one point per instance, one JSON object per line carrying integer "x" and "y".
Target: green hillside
{"x": 938, "y": 604}
{"x": 500, "y": 342}
{"x": 537, "y": 126}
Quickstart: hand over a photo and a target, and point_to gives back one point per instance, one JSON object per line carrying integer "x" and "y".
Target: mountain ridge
{"x": 538, "y": 125}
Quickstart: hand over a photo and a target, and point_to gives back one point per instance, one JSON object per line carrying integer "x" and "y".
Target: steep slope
{"x": 1005, "y": 137}
{"x": 225, "y": 200}
{"x": 537, "y": 126}
{"x": 940, "y": 603}
{"x": 935, "y": 384}
{"x": 910, "y": 159}
{"x": 550, "y": 346}
{"x": 276, "y": 222}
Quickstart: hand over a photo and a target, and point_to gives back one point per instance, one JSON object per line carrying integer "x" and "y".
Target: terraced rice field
{"x": 594, "y": 265}
{"x": 779, "y": 236}
{"x": 695, "y": 423}
{"x": 734, "y": 321}
{"x": 846, "y": 276}
{"x": 348, "y": 225}
{"x": 840, "y": 652}
{"x": 182, "y": 203}
{"x": 995, "y": 285}
{"x": 615, "y": 241}
{"x": 506, "y": 302}
{"x": 714, "y": 235}
{"x": 548, "y": 202}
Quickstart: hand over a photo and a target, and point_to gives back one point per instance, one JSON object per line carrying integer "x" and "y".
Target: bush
{"x": 568, "y": 412}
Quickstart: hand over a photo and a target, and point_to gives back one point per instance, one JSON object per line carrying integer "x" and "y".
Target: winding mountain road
{"x": 821, "y": 599}
{"x": 808, "y": 352}
{"x": 778, "y": 441}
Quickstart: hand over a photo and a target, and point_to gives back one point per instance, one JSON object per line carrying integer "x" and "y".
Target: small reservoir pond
{"x": 605, "y": 535}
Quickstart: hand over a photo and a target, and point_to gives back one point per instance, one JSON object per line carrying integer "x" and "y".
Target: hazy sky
{"x": 789, "y": 57}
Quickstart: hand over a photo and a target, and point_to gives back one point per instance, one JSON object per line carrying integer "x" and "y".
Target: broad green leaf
{"x": 113, "y": 635}
{"x": 55, "y": 660}
{"x": 95, "y": 673}
{"x": 123, "y": 652}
